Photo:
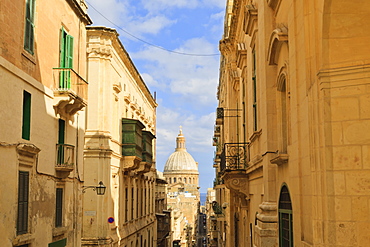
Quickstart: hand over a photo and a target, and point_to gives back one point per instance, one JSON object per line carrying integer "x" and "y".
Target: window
{"x": 283, "y": 113}
{"x": 254, "y": 79}
{"x": 29, "y": 34}
{"x": 59, "y": 208}
{"x": 61, "y": 136}
{"x": 285, "y": 219}
{"x": 66, "y": 59}
{"x": 126, "y": 204}
{"x": 132, "y": 203}
{"x": 23, "y": 190}
{"x": 174, "y": 180}
{"x": 26, "y": 119}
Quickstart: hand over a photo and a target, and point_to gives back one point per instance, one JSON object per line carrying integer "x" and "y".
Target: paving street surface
{"x": 202, "y": 231}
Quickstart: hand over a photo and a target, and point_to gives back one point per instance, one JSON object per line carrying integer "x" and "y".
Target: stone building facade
{"x": 119, "y": 147}
{"x": 291, "y": 138}
{"x": 183, "y": 197}
{"x": 43, "y": 93}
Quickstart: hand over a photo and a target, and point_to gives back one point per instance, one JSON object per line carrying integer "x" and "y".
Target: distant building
{"x": 183, "y": 197}
{"x": 164, "y": 233}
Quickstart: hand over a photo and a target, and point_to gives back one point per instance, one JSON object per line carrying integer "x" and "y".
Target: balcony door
{"x": 61, "y": 137}
{"x": 66, "y": 59}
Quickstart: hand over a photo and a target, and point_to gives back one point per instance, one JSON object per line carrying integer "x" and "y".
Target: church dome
{"x": 181, "y": 161}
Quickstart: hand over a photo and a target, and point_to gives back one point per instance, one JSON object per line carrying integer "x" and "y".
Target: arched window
{"x": 179, "y": 179}
{"x": 285, "y": 218}
{"x": 174, "y": 180}
{"x": 169, "y": 180}
{"x": 283, "y": 108}
{"x": 184, "y": 180}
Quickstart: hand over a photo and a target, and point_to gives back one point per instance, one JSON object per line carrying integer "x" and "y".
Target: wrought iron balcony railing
{"x": 65, "y": 157}
{"x": 234, "y": 157}
{"x": 66, "y": 80}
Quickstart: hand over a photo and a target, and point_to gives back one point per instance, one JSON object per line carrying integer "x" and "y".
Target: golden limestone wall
{"x": 29, "y": 161}
{"x": 298, "y": 71}
{"x": 119, "y": 93}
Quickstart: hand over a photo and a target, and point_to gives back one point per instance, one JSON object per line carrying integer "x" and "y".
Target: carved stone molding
{"x": 241, "y": 55}
{"x": 69, "y": 106}
{"x": 27, "y": 154}
{"x": 237, "y": 181}
{"x": 144, "y": 167}
{"x": 226, "y": 47}
{"x": 130, "y": 162}
{"x": 100, "y": 52}
{"x": 277, "y": 38}
{"x": 280, "y": 159}
{"x": 250, "y": 19}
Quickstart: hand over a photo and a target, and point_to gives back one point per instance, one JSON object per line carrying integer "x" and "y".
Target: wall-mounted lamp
{"x": 100, "y": 189}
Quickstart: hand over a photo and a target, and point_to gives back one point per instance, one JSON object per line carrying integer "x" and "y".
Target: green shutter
{"x": 26, "y": 118}
{"x": 66, "y": 59}
{"x": 23, "y": 189}
{"x": 69, "y": 52}
{"x": 59, "y": 243}
{"x": 29, "y": 26}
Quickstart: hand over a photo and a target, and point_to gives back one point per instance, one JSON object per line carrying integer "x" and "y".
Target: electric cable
{"x": 148, "y": 43}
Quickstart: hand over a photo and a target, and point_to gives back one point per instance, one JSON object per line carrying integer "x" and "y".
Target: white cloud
{"x": 217, "y": 3}
{"x": 192, "y": 77}
{"x": 121, "y": 13}
{"x": 157, "y": 5}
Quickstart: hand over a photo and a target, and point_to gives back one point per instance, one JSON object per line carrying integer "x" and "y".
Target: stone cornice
{"x": 80, "y": 12}
{"x": 250, "y": 21}
{"x": 124, "y": 56}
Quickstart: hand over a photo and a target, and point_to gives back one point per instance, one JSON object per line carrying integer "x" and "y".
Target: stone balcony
{"x": 65, "y": 159}
{"x": 233, "y": 165}
{"x": 70, "y": 91}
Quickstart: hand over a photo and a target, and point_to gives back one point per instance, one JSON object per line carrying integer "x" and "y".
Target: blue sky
{"x": 185, "y": 85}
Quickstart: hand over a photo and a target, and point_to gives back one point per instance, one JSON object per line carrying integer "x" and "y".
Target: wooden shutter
{"x": 29, "y": 27}
{"x": 59, "y": 208}
{"x": 23, "y": 190}
{"x": 69, "y": 52}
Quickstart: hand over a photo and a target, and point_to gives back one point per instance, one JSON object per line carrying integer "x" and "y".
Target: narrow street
{"x": 202, "y": 231}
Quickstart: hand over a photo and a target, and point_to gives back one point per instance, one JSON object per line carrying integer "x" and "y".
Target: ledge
{"x": 255, "y": 135}
{"x": 59, "y": 231}
{"x": 280, "y": 159}
{"x": 23, "y": 239}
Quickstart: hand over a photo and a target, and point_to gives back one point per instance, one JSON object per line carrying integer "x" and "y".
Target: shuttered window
{"x": 23, "y": 190}
{"x": 254, "y": 79}
{"x": 29, "y": 33}
{"x": 66, "y": 59}
{"x": 59, "y": 208}
{"x": 26, "y": 118}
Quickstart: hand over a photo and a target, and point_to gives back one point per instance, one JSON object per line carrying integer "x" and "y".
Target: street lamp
{"x": 100, "y": 189}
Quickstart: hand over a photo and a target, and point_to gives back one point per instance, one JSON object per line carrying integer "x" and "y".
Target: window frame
{"x": 59, "y": 201}
{"x": 29, "y": 29}
{"x": 23, "y": 202}
{"x": 26, "y": 115}
{"x": 254, "y": 85}
{"x": 285, "y": 212}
